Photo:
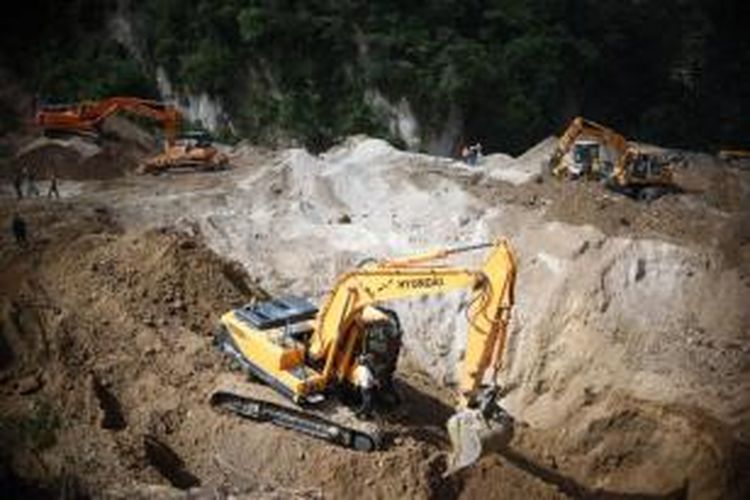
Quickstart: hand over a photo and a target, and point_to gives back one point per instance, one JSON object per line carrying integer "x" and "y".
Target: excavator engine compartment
{"x": 270, "y": 339}
{"x": 267, "y": 339}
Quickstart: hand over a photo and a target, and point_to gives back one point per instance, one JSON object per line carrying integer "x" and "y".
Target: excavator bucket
{"x": 472, "y": 436}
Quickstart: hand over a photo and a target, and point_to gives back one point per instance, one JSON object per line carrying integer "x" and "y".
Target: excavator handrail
{"x": 433, "y": 255}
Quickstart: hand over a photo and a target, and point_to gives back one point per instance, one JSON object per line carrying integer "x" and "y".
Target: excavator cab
{"x": 585, "y": 158}
{"x": 381, "y": 345}
{"x": 197, "y": 138}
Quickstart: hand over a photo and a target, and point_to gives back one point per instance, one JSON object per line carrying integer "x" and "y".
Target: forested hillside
{"x": 507, "y": 72}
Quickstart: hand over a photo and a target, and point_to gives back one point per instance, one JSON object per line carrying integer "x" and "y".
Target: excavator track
{"x": 289, "y": 418}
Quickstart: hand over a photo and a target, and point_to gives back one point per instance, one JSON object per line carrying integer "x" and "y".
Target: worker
{"x": 365, "y": 380}
{"x": 18, "y": 183}
{"x": 475, "y": 152}
{"x": 19, "y": 229}
{"x": 465, "y": 154}
{"x": 53, "y": 186}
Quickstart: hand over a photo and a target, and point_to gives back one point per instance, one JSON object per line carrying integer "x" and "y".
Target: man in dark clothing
{"x": 18, "y": 184}
{"x": 19, "y": 229}
{"x": 53, "y": 187}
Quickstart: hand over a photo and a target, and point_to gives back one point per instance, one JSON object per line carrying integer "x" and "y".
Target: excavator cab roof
{"x": 201, "y": 137}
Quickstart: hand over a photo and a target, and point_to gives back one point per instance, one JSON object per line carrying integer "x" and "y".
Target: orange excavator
{"x": 602, "y": 154}
{"x": 86, "y": 118}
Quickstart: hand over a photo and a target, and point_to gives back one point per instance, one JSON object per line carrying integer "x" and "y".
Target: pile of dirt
{"x": 118, "y": 151}
{"x": 105, "y": 340}
{"x": 712, "y": 210}
{"x": 127, "y": 132}
{"x": 74, "y": 158}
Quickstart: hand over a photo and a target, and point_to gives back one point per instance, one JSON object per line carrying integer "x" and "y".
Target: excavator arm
{"x": 583, "y": 127}
{"x": 632, "y": 169}
{"x": 488, "y": 314}
{"x": 85, "y": 117}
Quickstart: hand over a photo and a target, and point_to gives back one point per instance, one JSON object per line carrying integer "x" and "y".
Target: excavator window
{"x": 382, "y": 342}
{"x": 641, "y": 167}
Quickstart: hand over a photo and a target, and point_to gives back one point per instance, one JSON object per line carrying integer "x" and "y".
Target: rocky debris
{"x": 29, "y": 384}
{"x": 101, "y": 369}
{"x": 118, "y": 152}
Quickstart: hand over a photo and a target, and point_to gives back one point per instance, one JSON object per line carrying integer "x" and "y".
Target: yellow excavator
{"x": 351, "y": 344}
{"x": 602, "y": 154}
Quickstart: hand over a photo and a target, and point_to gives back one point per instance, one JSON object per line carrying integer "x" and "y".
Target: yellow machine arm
{"x": 488, "y": 314}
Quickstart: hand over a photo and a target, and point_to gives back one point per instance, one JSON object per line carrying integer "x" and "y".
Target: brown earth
{"x": 106, "y": 363}
{"x": 116, "y": 153}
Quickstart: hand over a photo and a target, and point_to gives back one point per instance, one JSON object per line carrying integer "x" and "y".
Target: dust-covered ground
{"x": 627, "y": 370}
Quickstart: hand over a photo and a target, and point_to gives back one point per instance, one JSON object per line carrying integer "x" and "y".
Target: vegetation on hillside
{"x": 671, "y": 72}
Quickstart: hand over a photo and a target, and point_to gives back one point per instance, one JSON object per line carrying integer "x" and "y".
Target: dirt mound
{"x": 626, "y": 365}
{"x": 121, "y": 147}
{"x": 127, "y": 132}
{"x": 72, "y": 159}
{"x": 98, "y": 332}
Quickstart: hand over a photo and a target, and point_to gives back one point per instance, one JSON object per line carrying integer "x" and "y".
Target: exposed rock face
{"x": 201, "y": 108}
{"x": 403, "y": 123}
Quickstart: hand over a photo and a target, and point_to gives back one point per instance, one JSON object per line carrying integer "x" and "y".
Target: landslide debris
{"x": 106, "y": 345}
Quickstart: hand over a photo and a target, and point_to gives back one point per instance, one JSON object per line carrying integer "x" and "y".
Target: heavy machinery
{"x": 86, "y": 119}
{"x": 602, "y": 154}
{"x": 739, "y": 157}
{"x": 191, "y": 150}
{"x": 308, "y": 354}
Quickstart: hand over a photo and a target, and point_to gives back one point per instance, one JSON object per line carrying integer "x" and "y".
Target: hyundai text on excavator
{"x": 602, "y": 154}
{"x": 86, "y": 119}
{"x": 308, "y": 354}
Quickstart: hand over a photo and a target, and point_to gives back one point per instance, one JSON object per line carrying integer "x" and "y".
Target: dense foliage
{"x": 668, "y": 71}
{"x": 65, "y": 51}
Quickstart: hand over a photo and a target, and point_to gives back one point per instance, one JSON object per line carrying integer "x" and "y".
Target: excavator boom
{"x": 86, "y": 117}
